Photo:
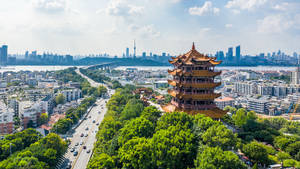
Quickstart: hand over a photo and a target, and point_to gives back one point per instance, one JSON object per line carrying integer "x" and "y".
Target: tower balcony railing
{"x": 207, "y": 84}
{"x": 198, "y": 107}
{"x": 201, "y": 85}
{"x": 203, "y": 73}
{"x": 201, "y": 96}
{"x": 191, "y": 93}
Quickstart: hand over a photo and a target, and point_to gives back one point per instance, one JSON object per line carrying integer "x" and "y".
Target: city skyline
{"x": 76, "y": 27}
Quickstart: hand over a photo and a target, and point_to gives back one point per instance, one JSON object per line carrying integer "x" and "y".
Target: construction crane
{"x": 295, "y": 109}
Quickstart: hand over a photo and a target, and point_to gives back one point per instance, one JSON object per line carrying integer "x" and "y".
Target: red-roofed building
{"x": 223, "y": 102}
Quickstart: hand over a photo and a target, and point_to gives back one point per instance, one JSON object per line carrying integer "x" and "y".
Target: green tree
{"x": 293, "y": 148}
{"x": 256, "y": 152}
{"x": 173, "y": 147}
{"x": 282, "y": 142}
{"x": 219, "y": 135}
{"x": 136, "y": 153}
{"x": 151, "y": 113}
{"x": 216, "y": 158}
{"x": 251, "y": 115}
{"x": 139, "y": 127}
{"x": 240, "y": 118}
{"x": 44, "y": 118}
{"x": 102, "y": 161}
{"x": 132, "y": 109}
{"x": 230, "y": 109}
{"x": 101, "y": 90}
{"x": 179, "y": 119}
{"x": 255, "y": 166}
{"x": 290, "y": 163}
{"x": 283, "y": 156}
{"x": 60, "y": 99}
{"x": 116, "y": 84}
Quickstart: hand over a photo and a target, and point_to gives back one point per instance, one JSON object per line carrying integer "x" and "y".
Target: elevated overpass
{"x": 102, "y": 66}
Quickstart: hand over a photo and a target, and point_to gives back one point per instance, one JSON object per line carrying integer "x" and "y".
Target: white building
{"x": 29, "y": 112}
{"x": 245, "y": 88}
{"x": 265, "y": 89}
{"x": 258, "y": 105}
{"x": 296, "y": 76}
{"x": 71, "y": 94}
{"x": 6, "y": 119}
{"x": 47, "y": 104}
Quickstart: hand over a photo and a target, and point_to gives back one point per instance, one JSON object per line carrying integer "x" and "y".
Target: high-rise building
{"x": 144, "y": 55}
{"x": 238, "y": 53}
{"x": 3, "y": 55}
{"x": 193, "y": 85}
{"x": 296, "y": 76}
{"x": 295, "y": 55}
{"x": 134, "y": 48}
{"x": 26, "y": 55}
{"x": 127, "y": 52}
{"x": 229, "y": 54}
{"x": 220, "y": 55}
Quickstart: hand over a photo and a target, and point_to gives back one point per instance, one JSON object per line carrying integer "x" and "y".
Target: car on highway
{"x": 72, "y": 149}
{"x": 75, "y": 153}
{"x": 87, "y": 128}
{"x": 77, "y": 144}
{"x": 81, "y": 135}
{"x": 88, "y": 151}
{"x": 94, "y": 121}
{"x": 81, "y": 143}
{"x": 86, "y": 135}
{"x": 97, "y": 124}
{"x": 84, "y": 147}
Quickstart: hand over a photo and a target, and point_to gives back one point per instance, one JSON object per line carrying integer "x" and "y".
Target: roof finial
{"x": 193, "y": 47}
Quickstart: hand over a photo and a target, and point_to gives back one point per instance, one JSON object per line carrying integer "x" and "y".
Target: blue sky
{"x": 98, "y": 26}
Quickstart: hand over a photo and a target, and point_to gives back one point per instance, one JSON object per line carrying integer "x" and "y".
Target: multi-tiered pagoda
{"x": 193, "y": 84}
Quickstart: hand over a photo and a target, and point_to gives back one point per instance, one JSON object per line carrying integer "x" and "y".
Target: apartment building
{"x": 6, "y": 119}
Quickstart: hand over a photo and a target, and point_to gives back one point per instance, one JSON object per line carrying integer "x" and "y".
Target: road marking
{"x": 80, "y": 150}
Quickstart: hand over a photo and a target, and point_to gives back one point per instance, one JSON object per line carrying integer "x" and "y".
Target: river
{"x": 148, "y": 68}
{"x": 33, "y": 68}
{"x": 257, "y": 68}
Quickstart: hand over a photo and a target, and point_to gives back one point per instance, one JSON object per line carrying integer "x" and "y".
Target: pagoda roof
{"x": 193, "y": 56}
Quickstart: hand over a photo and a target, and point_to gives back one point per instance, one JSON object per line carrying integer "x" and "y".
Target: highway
{"x": 88, "y": 127}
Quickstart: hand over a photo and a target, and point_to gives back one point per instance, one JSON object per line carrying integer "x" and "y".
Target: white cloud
{"x": 274, "y": 24}
{"x": 122, "y": 8}
{"x": 281, "y": 7}
{"x": 49, "y": 5}
{"x": 245, "y": 4}
{"x": 207, "y": 8}
{"x": 228, "y": 26}
{"x": 147, "y": 31}
{"x": 235, "y": 11}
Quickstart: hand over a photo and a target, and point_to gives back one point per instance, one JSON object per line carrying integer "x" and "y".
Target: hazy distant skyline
{"x": 109, "y": 26}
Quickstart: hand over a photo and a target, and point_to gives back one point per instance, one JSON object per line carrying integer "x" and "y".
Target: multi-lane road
{"x": 84, "y": 137}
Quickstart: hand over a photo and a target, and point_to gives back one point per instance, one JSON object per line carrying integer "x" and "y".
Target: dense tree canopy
{"x": 219, "y": 135}
{"x": 18, "y": 141}
{"x": 216, "y": 158}
{"x": 256, "y": 152}
{"x": 41, "y": 154}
